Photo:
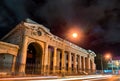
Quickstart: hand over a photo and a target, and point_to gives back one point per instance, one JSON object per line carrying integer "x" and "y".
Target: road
{"x": 78, "y": 78}
{"x": 103, "y": 78}
{"x": 113, "y": 78}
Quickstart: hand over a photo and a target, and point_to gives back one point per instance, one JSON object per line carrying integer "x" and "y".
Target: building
{"x": 114, "y": 63}
{"x": 30, "y": 48}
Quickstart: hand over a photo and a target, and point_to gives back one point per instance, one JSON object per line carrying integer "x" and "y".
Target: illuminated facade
{"x": 114, "y": 63}
{"x": 34, "y": 49}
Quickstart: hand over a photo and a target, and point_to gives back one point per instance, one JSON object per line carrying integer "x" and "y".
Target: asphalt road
{"x": 107, "y": 78}
{"x": 114, "y": 78}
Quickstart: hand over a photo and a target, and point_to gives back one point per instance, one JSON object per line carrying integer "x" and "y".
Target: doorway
{"x": 34, "y": 59}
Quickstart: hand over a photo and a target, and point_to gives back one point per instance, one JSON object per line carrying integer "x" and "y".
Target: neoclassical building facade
{"x": 31, "y": 48}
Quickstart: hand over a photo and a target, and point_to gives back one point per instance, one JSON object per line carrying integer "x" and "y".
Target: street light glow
{"x": 108, "y": 56}
{"x": 75, "y": 35}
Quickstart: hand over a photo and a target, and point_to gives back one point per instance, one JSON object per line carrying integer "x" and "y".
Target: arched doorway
{"x": 34, "y": 59}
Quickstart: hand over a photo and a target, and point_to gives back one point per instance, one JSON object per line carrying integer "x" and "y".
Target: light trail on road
{"x": 80, "y": 78}
{"x": 56, "y": 78}
{"x": 97, "y": 79}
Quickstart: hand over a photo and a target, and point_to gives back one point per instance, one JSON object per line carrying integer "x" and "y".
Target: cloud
{"x": 99, "y": 26}
{"x": 55, "y": 10}
{"x": 18, "y": 8}
{"x": 112, "y": 33}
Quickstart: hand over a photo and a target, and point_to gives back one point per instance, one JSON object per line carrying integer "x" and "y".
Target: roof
{"x": 30, "y": 21}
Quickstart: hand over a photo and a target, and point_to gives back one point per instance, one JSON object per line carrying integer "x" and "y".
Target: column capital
{"x": 55, "y": 48}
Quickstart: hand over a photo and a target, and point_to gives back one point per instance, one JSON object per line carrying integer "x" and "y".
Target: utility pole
{"x": 102, "y": 64}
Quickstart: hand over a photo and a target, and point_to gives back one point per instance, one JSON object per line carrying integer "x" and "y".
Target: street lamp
{"x": 74, "y": 35}
{"x": 108, "y": 56}
{"x": 102, "y": 64}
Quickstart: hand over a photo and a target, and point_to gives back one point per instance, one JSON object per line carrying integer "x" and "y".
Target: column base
{"x": 20, "y": 74}
{"x": 69, "y": 70}
{"x": 55, "y": 70}
{"x": 42, "y": 70}
{"x": 45, "y": 70}
{"x": 88, "y": 71}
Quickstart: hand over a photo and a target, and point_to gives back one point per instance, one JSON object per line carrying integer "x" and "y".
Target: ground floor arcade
{"x": 54, "y": 60}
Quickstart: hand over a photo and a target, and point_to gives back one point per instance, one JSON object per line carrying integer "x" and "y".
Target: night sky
{"x": 98, "y": 20}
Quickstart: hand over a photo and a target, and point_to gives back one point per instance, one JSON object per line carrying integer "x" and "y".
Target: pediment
{"x": 37, "y": 29}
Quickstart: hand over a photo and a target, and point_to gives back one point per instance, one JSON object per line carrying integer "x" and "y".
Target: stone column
{"x": 88, "y": 64}
{"x": 13, "y": 64}
{"x": 55, "y": 60}
{"x": 75, "y": 63}
{"x": 63, "y": 61}
{"x": 93, "y": 66}
{"x": 79, "y": 64}
{"x": 59, "y": 61}
{"x": 46, "y": 59}
{"x": 23, "y": 55}
{"x": 49, "y": 59}
{"x": 69, "y": 63}
{"x": 42, "y": 63}
{"x": 83, "y": 63}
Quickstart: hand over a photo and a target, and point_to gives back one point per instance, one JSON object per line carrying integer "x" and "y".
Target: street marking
{"x": 96, "y": 79}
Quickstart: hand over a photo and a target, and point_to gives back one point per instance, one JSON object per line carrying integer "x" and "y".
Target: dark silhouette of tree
{"x": 100, "y": 62}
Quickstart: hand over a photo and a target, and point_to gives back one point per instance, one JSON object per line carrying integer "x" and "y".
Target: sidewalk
{"x": 28, "y": 78}
{"x": 54, "y": 78}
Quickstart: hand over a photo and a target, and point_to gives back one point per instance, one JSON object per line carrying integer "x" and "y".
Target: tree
{"x": 100, "y": 62}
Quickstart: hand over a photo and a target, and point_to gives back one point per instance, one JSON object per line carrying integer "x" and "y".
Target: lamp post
{"x": 102, "y": 65}
{"x": 112, "y": 65}
{"x": 108, "y": 56}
